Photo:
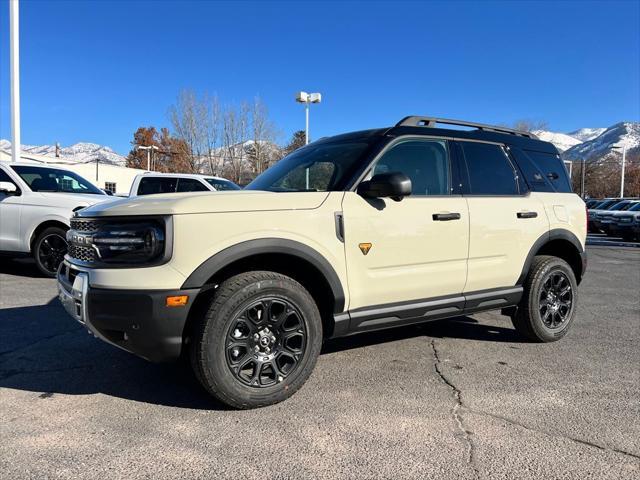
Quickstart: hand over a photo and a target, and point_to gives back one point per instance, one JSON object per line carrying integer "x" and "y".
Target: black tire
{"x": 234, "y": 314}
{"x": 49, "y": 250}
{"x": 540, "y": 317}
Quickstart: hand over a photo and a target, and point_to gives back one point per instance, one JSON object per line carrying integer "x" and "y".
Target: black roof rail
{"x": 419, "y": 121}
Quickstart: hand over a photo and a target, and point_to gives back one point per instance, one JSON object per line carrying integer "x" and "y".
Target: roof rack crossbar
{"x": 419, "y": 121}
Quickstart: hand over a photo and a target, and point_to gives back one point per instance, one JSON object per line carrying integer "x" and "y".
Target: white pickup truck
{"x": 153, "y": 183}
{"x": 36, "y": 203}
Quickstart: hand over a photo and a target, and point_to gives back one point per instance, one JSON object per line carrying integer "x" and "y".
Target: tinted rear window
{"x": 553, "y": 168}
{"x": 489, "y": 168}
{"x": 191, "y": 185}
{"x": 152, "y": 185}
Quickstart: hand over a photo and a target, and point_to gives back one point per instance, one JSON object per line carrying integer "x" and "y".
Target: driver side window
{"x": 425, "y": 162}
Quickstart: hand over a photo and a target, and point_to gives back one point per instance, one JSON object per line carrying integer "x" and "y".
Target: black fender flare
{"x": 262, "y": 246}
{"x": 554, "y": 234}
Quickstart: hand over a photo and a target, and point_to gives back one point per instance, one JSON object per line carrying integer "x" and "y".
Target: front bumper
{"x": 137, "y": 321}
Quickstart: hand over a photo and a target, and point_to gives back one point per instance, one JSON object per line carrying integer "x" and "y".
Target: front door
{"x": 412, "y": 250}
{"x": 10, "y": 210}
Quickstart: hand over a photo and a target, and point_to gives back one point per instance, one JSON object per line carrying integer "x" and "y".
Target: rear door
{"x": 504, "y": 219}
{"x": 409, "y": 250}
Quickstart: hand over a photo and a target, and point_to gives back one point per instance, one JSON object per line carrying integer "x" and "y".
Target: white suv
{"x": 36, "y": 202}
{"x": 153, "y": 183}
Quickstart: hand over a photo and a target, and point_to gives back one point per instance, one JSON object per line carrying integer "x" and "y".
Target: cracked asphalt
{"x": 463, "y": 398}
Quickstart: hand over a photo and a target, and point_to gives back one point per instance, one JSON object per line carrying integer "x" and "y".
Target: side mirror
{"x": 395, "y": 185}
{"x": 8, "y": 188}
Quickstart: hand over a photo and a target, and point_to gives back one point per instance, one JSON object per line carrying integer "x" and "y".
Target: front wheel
{"x": 549, "y": 301}
{"x": 49, "y": 250}
{"x": 259, "y": 340}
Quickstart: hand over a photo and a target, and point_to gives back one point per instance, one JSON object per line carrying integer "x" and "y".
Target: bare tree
{"x": 213, "y": 134}
{"x": 234, "y": 136}
{"x": 525, "y": 125}
{"x": 188, "y": 117}
{"x": 262, "y": 150}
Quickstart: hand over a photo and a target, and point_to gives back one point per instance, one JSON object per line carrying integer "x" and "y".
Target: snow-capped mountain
{"x": 586, "y": 134}
{"x": 80, "y": 152}
{"x": 562, "y": 141}
{"x": 621, "y": 134}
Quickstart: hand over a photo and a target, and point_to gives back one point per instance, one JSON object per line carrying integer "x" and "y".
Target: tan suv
{"x": 353, "y": 233}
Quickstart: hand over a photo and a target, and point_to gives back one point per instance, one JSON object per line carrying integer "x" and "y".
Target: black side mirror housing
{"x": 395, "y": 185}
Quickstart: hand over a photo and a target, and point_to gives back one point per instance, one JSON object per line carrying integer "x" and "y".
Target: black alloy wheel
{"x": 265, "y": 342}
{"x": 49, "y": 250}
{"x": 549, "y": 300}
{"x": 257, "y": 339}
{"x": 556, "y": 299}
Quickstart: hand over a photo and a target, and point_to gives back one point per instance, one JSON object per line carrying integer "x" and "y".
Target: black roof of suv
{"x": 538, "y": 161}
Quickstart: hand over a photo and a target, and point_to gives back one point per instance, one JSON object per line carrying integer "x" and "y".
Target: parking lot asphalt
{"x": 462, "y": 398}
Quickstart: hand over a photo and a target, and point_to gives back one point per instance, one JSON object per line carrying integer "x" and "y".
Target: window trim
{"x": 522, "y": 192}
{"x": 454, "y": 168}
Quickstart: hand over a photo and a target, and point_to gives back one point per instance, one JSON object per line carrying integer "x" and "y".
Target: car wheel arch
{"x": 560, "y": 243}
{"x": 42, "y": 226}
{"x": 288, "y": 257}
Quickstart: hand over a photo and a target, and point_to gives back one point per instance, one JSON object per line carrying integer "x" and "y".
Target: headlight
{"x": 120, "y": 242}
{"x": 133, "y": 243}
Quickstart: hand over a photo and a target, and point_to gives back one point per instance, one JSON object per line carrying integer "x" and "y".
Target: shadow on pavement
{"x": 46, "y": 352}
{"x": 21, "y": 267}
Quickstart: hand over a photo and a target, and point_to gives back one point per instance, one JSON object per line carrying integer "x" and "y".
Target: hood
{"x": 208, "y": 202}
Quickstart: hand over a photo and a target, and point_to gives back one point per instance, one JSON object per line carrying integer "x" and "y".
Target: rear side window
{"x": 191, "y": 185}
{"x": 552, "y": 167}
{"x": 152, "y": 185}
{"x": 489, "y": 170}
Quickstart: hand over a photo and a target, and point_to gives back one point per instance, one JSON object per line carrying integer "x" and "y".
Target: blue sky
{"x": 96, "y": 70}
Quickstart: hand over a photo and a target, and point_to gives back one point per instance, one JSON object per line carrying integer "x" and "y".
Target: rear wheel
{"x": 49, "y": 250}
{"x": 548, "y": 305}
{"x": 259, "y": 340}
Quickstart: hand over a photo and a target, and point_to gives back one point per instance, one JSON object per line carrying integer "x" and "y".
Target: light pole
{"x": 307, "y": 99}
{"x": 624, "y": 159}
{"x": 14, "y": 40}
{"x": 148, "y": 149}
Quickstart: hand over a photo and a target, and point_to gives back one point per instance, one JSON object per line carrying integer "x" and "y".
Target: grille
{"x": 84, "y": 254}
{"x": 82, "y": 225}
{"x": 625, "y": 220}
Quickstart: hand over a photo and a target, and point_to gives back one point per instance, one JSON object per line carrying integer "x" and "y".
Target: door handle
{"x": 444, "y": 217}
{"x": 527, "y": 214}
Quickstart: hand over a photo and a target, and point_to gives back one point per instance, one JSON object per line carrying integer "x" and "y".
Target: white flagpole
{"x": 14, "y": 21}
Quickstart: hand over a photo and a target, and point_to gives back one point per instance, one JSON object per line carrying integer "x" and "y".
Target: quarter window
{"x": 425, "y": 162}
{"x": 552, "y": 167}
{"x": 490, "y": 170}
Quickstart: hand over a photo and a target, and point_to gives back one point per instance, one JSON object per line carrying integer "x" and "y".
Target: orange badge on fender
{"x": 365, "y": 247}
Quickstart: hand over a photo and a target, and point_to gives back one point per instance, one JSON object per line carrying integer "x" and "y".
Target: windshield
{"x": 620, "y": 205}
{"x": 43, "y": 179}
{"x": 635, "y": 207}
{"x": 321, "y": 167}
{"x": 604, "y": 205}
{"x": 220, "y": 184}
